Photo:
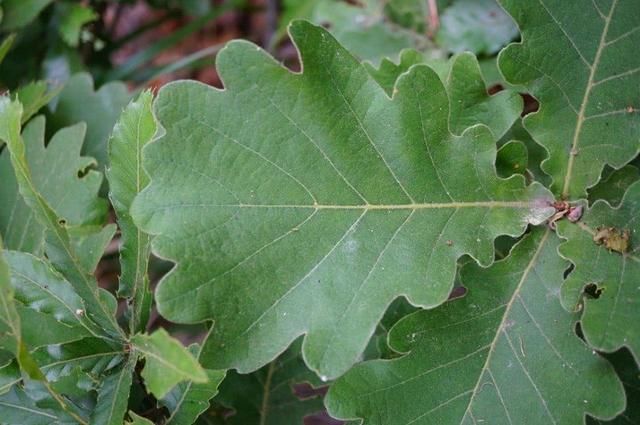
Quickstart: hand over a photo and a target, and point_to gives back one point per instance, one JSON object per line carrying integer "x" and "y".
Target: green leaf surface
{"x": 59, "y": 249}
{"x": 167, "y": 362}
{"x": 512, "y": 158}
{"x": 72, "y": 18}
{"x": 267, "y": 396}
{"x": 469, "y": 101}
{"x": 589, "y": 113}
{"x": 9, "y": 318}
{"x": 505, "y": 353}
{"x": 55, "y": 170}
{"x": 92, "y": 355}
{"x": 6, "y": 44}
{"x": 322, "y": 198}
{"x": 612, "y": 318}
{"x": 99, "y": 109}
{"x": 18, "y": 409}
{"x": 34, "y": 96}
{"x": 629, "y": 373}
{"x": 613, "y": 187}
{"x": 113, "y": 396}
{"x": 135, "y": 128}
{"x": 479, "y": 26}
{"x": 188, "y": 400}
{"x": 50, "y": 310}
{"x": 18, "y": 13}
{"x": 137, "y": 420}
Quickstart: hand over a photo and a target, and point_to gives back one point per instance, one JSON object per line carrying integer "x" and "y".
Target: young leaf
{"x": 323, "y": 199}
{"x": 113, "y": 396}
{"x": 505, "y": 353}
{"x": 188, "y": 400}
{"x": 49, "y": 308}
{"x": 167, "y": 362}
{"x": 604, "y": 248}
{"x": 589, "y": 110}
{"x": 59, "y": 246}
{"x": 135, "y": 128}
{"x": 267, "y": 396}
{"x": 100, "y": 109}
{"x": 54, "y": 172}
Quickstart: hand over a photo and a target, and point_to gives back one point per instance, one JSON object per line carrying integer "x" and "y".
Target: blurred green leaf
{"x": 73, "y": 17}
{"x": 18, "y": 13}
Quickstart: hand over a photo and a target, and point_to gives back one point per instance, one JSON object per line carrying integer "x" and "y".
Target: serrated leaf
{"x": 505, "y": 353}
{"x": 72, "y": 18}
{"x": 613, "y": 187}
{"x": 589, "y": 112}
{"x": 60, "y": 249}
{"x": 611, "y": 319}
{"x": 479, "y": 26}
{"x": 469, "y": 101}
{"x": 167, "y": 363}
{"x": 113, "y": 396}
{"x": 323, "y": 199}
{"x": 268, "y": 396}
{"x": 135, "y": 128}
{"x": 54, "y": 172}
{"x": 47, "y": 304}
{"x": 188, "y": 400}
{"x": 99, "y": 109}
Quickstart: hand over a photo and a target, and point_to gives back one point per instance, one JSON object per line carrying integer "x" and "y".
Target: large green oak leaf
{"x": 506, "y": 353}
{"x": 577, "y": 58}
{"x": 306, "y": 203}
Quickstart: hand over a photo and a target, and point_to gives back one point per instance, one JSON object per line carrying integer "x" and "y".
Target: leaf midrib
{"x": 585, "y": 100}
{"x": 507, "y": 311}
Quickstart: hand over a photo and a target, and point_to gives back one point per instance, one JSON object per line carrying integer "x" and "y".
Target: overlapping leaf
{"x": 611, "y": 319}
{"x": 60, "y": 247}
{"x": 589, "y": 110}
{"x": 167, "y": 362}
{"x": 268, "y": 396}
{"x": 113, "y": 396}
{"x": 468, "y": 98}
{"x": 49, "y": 309}
{"x": 55, "y": 171}
{"x": 188, "y": 400}
{"x": 99, "y": 109}
{"x": 132, "y": 132}
{"x": 306, "y": 203}
{"x": 505, "y": 353}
